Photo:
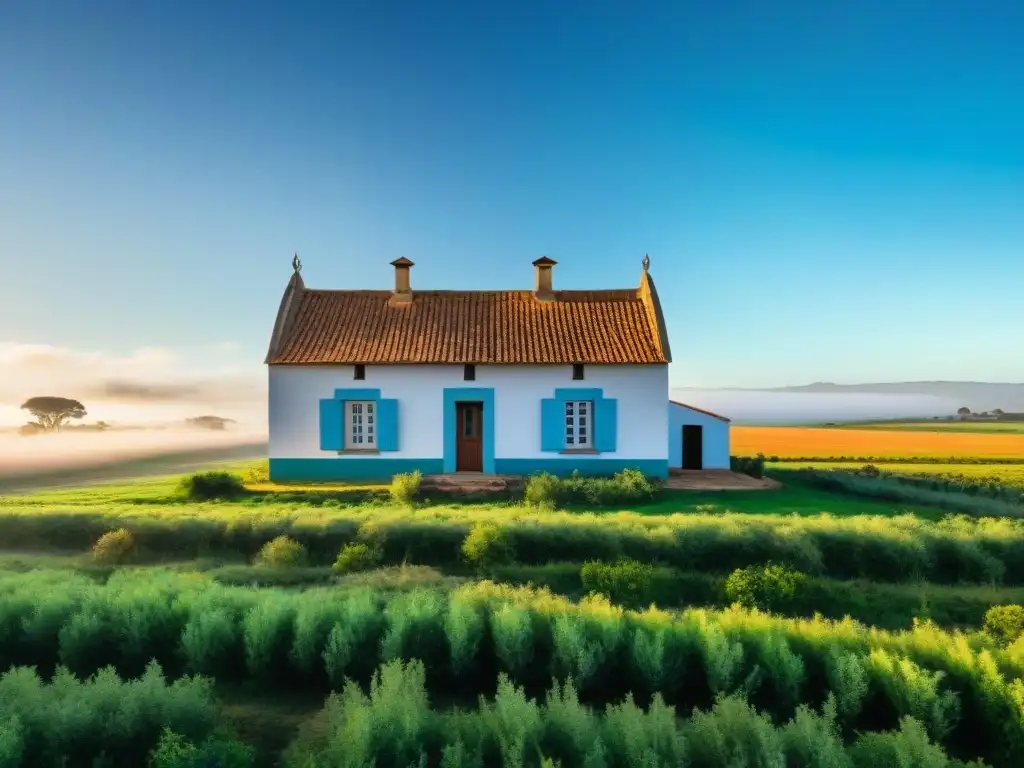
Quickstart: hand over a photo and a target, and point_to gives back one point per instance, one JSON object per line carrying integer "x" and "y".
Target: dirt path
{"x": 150, "y": 466}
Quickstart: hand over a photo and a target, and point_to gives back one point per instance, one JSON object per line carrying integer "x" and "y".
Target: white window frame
{"x": 579, "y": 425}
{"x": 361, "y": 425}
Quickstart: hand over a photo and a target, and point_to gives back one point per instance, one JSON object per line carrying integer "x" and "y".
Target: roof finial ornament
{"x": 296, "y": 264}
{"x": 646, "y": 262}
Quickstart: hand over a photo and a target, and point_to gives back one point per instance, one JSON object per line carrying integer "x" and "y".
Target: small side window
{"x": 360, "y": 372}
{"x": 577, "y": 371}
{"x": 469, "y": 373}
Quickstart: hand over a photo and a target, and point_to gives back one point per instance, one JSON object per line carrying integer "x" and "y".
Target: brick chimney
{"x": 542, "y": 278}
{"x": 403, "y": 292}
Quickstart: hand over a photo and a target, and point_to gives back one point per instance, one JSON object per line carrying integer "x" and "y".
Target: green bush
{"x": 357, "y": 557}
{"x": 114, "y": 547}
{"x": 396, "y": 726}
{"x": 542, "y": 490}
{"x": 630, "y": 486}
{"x": 1005, "y": 622}
{"x": 769, "y": 587}
{"x": 405, "y": 488}
{"x": 174, "y": 751}
{"x": 625, "y": 581}
{"x": 487, "y": 545}
{"x": 282, "y": 552}
{"x": 102, "y": 720}
{"x": 206, "y": 486}
{"x": 748, "y": 465}
{"x": 319, "y": 637}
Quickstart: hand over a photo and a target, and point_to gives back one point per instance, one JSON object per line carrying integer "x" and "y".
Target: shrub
{"x": 542, "y": 490}
{"x": 174, "y": 751}
{"x": 630, "y": 486}
{"x": 624, "y": 581}
{"x": 405, "y": 488}
{"x": 747, "y": 465}
{"x": 257, "y": 473}
{"x": 282, "y": 552}
{"x": 357, "y": 557}
{"x": 769, "y": 587}
{"x": 114, "y": 547}
{"x": 487, "y": 545}
{"x": 206, "y": 486}
{"x": 1005, "y": 622}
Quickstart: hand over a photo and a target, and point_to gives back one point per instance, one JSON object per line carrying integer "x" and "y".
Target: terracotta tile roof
{"x": 610, "y": 326}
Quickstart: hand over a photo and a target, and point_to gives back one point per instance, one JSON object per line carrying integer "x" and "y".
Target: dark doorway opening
{"x": 693, "y": 446}
{"x": 469, "y": 444}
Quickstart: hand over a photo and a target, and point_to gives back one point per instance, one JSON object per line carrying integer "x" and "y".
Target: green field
{"x": 1010, "y": 427}
{"x": 469, "y": 611}
{"x": 1009, "y": 474}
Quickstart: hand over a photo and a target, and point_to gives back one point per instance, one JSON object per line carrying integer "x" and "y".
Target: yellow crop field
{"x": 812, "y": 442}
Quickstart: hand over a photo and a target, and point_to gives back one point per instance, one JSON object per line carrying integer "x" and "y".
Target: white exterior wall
{"x": 641, "y": 391}
{"x": 715, "y": 438}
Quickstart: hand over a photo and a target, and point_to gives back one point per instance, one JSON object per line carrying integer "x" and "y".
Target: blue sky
{"x": 827, "y": 191}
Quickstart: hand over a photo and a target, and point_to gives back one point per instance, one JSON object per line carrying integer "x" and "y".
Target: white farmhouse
{"x": 365, "y": 384}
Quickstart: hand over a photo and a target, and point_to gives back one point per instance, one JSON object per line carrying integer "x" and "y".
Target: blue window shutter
{"x": 387, "y": 425}
{"x": 331, "y": 435}
{"x": 606, "y": 416}
{"x": 552, "y": 425}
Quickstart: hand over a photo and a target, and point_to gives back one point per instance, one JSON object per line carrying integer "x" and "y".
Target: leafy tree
{"x": 963, "y": 411}
{"x": 998, "y": 412}
{"x": 52, "y": 413}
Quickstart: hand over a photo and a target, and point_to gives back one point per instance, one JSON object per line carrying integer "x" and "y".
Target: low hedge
{"x": 955, "y": 550}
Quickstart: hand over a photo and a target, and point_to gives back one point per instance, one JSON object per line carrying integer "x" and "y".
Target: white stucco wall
{"x": 715, "y": 438}
{"x": 641, "y": 391}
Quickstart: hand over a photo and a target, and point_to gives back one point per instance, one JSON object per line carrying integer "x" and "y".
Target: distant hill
{"x": 978, "y": 395}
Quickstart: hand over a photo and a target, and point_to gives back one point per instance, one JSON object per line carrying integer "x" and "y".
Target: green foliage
{"x": 282, "y": 552}
{"x": 747, "y": 465}
{"x": 175, "y": 751}
{"x": 114, "y": 547}
{"x": 206, "y": 486}
{"x": 405, "y": 488}
{"x": 396, "y": 726}
{"x": 487, "y": 545}
{"x": 972, "y": 496}
{"x": 770, "y": 587}
{"x": 881, "y": 549}
{"x": 963, "y": 689}
{"x": 625, "y": 581}
{"x": 629, "y": 486}
{"x": 102, "y": 720}
{"x": 357, "y": 557}
{"x": 1005, "y": 622}
{"x": 542, "y": 490}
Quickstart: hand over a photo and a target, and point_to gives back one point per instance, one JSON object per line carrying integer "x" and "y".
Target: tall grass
{"x": 102, "y": 720}
{"x": 964, "y": 689}
{"x": 395, "y": 725}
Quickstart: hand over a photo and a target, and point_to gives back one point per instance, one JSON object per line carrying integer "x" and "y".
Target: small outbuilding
{"x": 698, "y": 439}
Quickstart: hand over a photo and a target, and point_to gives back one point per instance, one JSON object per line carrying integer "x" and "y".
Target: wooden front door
{"x": 693, "y": 446}
{"x": 469, "y": 444}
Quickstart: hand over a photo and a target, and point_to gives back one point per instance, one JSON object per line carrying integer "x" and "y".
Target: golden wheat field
{"x": 813, "y": 442}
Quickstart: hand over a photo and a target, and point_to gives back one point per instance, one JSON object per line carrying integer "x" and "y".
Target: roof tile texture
{"x": 331, "y": 327}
